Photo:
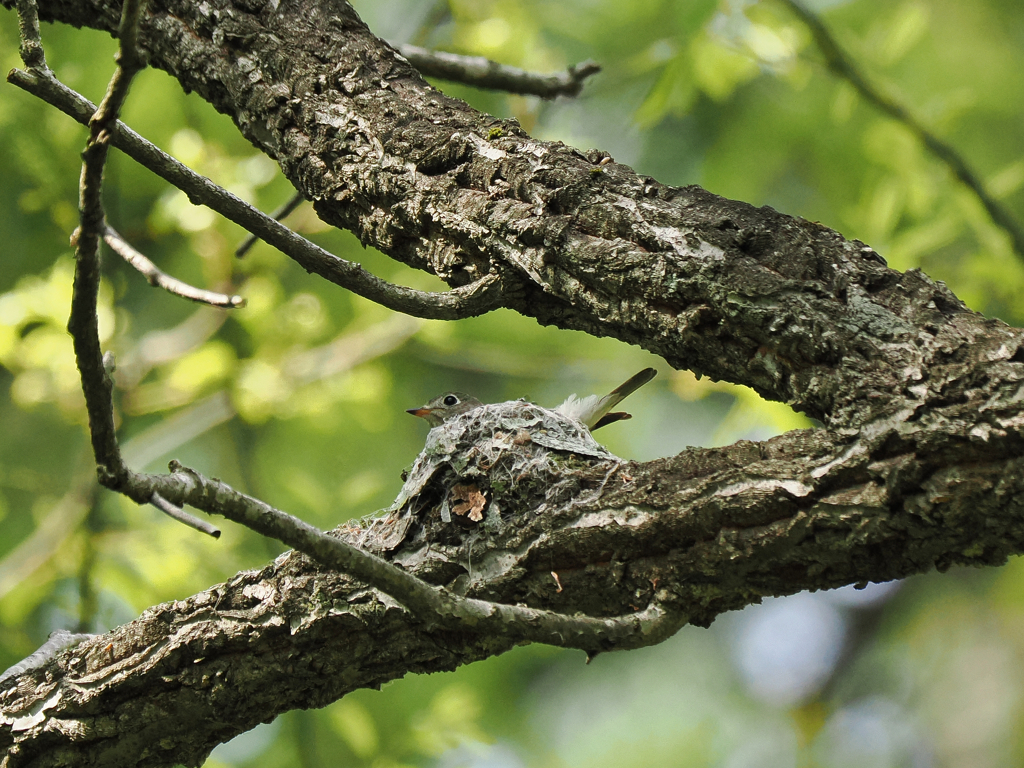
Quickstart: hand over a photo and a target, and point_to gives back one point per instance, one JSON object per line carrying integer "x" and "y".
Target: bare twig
{"x": 841, "y": 65}
{"x": 157, "y": 277}
{"x": 484, "y": 73}
{"x": 294, "y": 202}
{"x": 83, "y": 323}
{"x": 179, "y": 514}
{"x": 31, "y": 43}
{"x": 470, "y": 300}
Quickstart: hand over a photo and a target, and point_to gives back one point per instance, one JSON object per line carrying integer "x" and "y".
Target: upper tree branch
{"x": 749, "y": 295}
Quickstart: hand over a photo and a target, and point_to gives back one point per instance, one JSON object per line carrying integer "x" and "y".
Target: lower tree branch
{"x": 707, "y": 531}
{"x": 430, "y": 607}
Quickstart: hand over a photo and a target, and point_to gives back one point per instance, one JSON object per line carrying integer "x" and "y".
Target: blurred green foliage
{"x": 298, "y": 398}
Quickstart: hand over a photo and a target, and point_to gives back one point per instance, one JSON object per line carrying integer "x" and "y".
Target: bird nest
{"x": 477, "y": 468}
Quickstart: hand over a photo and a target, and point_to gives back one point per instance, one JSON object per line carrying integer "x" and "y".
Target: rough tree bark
{"x": 917, "y": 465}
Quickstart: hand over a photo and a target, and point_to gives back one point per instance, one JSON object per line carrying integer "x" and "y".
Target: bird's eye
{"x": 451, "y": 400}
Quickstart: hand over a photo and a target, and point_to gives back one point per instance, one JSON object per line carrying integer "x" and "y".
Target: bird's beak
{"x": 421, "y": 412}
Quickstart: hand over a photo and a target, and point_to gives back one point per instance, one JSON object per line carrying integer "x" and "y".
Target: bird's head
{"x": 444, "y": 407}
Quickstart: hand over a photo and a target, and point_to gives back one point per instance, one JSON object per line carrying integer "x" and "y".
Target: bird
{"x": 594, "y": 411}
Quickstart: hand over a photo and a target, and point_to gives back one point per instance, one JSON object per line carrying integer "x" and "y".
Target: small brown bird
{"x": 594, "y": 411}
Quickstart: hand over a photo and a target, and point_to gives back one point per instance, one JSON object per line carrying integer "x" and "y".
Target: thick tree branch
{"x": 715, "y": 528}
{"x": 435, "y": 609}
{"x": 749, "y": 295}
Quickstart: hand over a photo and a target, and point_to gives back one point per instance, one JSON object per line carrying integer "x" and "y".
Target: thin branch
{"x": 157, "y": 277}
{"x": 841, "y": 65}
{"x": 435, "y": 607}
{"x": 83, "y": 325}
{"x": 179, "y": 514}
{"x": 31, "y": 49}
{"x": 484, "y": 73}
{"x": 471, "y": 300}
{"x": 293, "y": 202}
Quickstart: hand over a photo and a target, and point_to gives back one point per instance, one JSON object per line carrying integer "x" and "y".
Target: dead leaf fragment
{"x": 469, "y": 501}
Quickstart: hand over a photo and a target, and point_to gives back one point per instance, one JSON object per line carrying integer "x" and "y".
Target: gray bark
{"x": 917, "y": 466}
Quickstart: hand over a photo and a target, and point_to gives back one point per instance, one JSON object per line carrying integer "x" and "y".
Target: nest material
{"x": 477, "y": 464}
